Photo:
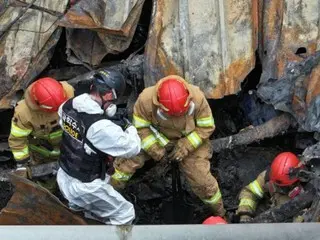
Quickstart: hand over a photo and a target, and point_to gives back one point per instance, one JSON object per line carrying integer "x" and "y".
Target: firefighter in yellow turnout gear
{"x": 35, "y": 132}
{"x": 175, "y": 115}
{"x": 275, "y": 184}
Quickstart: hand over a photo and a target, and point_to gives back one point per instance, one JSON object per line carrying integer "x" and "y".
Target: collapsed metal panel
{"x": 96, "y": 28}
{"x": 211, "y": 43}
{"x": 32, "y": 204}
{"x": 288, "y": 51}
{"x": 27, "y": 47}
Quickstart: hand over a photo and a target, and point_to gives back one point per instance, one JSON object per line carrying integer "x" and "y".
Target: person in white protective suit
{"x": 89, "y": 143}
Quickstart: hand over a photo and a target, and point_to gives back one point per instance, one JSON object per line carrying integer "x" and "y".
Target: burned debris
{"x": 257, "y": 66}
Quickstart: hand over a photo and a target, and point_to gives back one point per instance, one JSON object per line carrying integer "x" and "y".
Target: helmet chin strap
{"x": 103, "y": 102}
{"x": 191, "y": 108}
{"x": 161, "y": 115}
{"x": 189, "y": 112}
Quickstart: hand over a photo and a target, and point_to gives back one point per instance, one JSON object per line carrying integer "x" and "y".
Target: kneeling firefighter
{"x": 174, "y": 122}
{"x": 35, "y": 132}
{"x": 274, "y": 183}
{"x": 89, "y": 143}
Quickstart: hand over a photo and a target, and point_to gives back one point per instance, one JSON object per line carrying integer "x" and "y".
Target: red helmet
{"x": 214, "y": 220}
{"x": 48, "y": 94}
{"x": 280, "y": 167}
{"x": 173, "y": 96}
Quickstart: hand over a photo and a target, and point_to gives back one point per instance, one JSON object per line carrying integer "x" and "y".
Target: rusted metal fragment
{"x": 211, "y": 43}
{"x": 33, "y": 205}
{"x": 26, "y": 49}
{"x": 289, "y": 32}
{"x": 99, "y": 27}
{"x": 84, "y": 46}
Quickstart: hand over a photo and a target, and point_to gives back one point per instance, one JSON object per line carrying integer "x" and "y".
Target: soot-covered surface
{"x": 151, "y": 190}
{"x": 6, "y": 191}
{"x": 153, "y": 199}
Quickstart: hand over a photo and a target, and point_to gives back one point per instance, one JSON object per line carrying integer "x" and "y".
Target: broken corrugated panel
{"x": 211, "y": 43}
{"x": 289, "y": 27}
{"x": 26, "y": 49}
{"x": 290, "y": 41}
{"x": 96, "y": 28}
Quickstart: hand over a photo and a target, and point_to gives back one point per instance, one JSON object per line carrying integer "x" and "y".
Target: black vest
{"x": 74, "y": 160}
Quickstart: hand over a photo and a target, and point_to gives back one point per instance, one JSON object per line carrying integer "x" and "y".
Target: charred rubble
{"x": 234, "y": 165}
{"x": 252, "y": 127}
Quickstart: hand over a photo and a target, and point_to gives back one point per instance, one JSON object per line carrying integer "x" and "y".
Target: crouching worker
{"x": 35, "y": 132}
{"x": 89, "y": 143}
{"x": 274, "y": 183}
{"x": 174, "y": 122}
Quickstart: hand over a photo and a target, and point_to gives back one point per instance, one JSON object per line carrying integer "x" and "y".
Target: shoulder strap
{"x": 87, "y": 121}
{"x": 67, "y": 104}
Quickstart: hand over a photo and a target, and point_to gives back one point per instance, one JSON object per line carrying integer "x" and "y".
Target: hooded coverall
{"x": 36, "y": 134}
{"x": 255, "y": 191}
{"x": 193, "y": 129}
{"x": 97, "y": 198}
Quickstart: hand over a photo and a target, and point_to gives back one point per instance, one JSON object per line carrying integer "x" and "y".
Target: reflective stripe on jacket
{"x": 195, "y": 127}
{"x": 35, "y": 130}
{"x": 252, "y": 193}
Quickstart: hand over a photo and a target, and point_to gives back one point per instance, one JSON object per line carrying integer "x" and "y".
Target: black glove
{"x": 127, "y": 123}
{"x": 124, "y": 123}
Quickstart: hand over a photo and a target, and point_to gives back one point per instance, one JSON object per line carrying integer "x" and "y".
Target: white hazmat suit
{"x": 98, "y": 199}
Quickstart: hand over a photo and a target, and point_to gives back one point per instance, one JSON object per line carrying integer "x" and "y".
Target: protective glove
{"x": 169, "y": 147}
{"x": 121, "y": 120}
{"x": 127, "y": 123}
{"x": 124, "y": 123}
{"x": 245, "y": 219}
{"x": 181, "y": 150}
{"x": 157, "y": 152}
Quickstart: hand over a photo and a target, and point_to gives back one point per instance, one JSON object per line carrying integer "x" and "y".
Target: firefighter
{"x": 174, "y": 122}
{"x": 90, "y": 142}
{"x": 35, "y": 132}
{"x": 274, "y": 183}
